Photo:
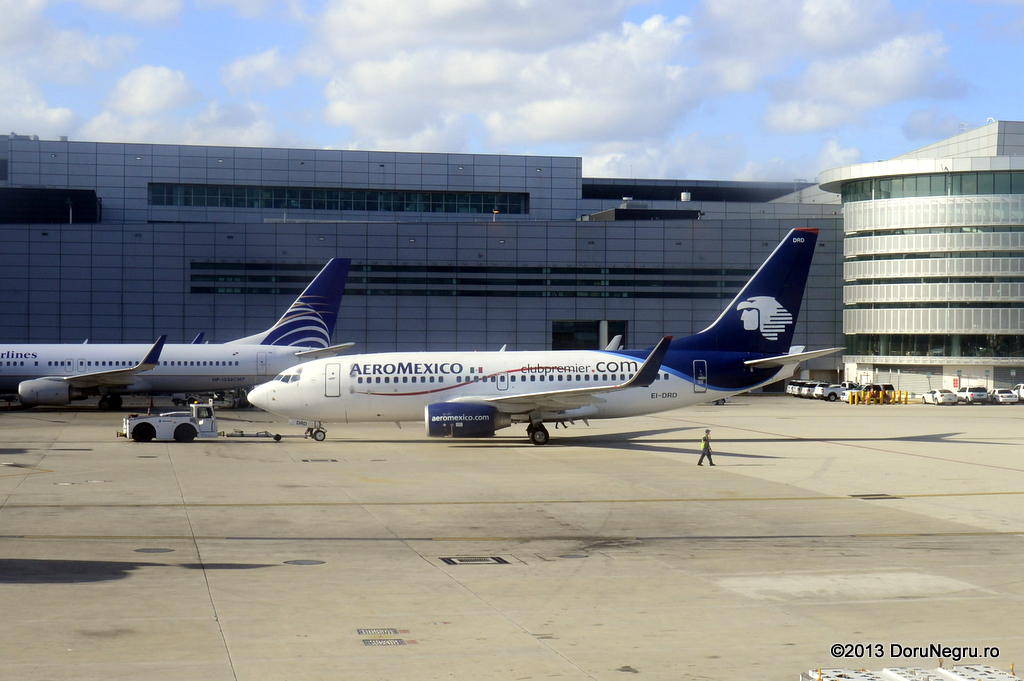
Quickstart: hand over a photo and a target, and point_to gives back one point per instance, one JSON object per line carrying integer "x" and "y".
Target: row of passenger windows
{"x": 166, "y": 363}
{"x": 533, "y": 378}
{"x": 934, "y": 184}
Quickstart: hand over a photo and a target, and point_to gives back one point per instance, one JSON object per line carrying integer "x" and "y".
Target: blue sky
{"x": 712, "y": 89}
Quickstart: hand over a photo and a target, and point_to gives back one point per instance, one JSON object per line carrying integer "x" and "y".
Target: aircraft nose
{"x": 260, "y": 396}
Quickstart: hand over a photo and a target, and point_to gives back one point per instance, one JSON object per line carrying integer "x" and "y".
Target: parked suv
{"x": 824, "y": 391}
{"x": 974, "y": 395}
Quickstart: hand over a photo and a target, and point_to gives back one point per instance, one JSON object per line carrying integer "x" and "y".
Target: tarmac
{"x": 607, "y": 554}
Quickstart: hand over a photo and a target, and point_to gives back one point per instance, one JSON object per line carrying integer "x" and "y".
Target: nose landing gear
{"x": 316, "y": 432}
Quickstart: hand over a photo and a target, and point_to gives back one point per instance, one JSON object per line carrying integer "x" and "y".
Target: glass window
{"x": 897, "y": 188}
{"x": 970, "y": 184}
{"x": 1001, "y": 183}
{"x": 985, "y": 183}
{"x": 937, "y": 185}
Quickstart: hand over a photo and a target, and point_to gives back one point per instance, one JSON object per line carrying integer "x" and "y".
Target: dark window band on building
{"x": 937, "y": 305}
{"x": 438, "y": 281}
{"x": 32, "y": 205}
{"x": 935, "y": 345}
{"x": 934, "y": 184}
{"x": 745, "y": 273}
{"x": 936, "y": 255}
{"x": 475, "y": 293}
{"x": 313, "y": 198}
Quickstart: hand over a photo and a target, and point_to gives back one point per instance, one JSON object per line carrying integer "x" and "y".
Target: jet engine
{"x": 49, "y": 391}
{"x": 459, "y": 419}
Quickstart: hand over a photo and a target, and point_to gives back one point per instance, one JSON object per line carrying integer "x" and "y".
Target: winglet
{"x": 652, "y": 365}
{"x": 199, "y": 338}
{"x": 152, "y": 357}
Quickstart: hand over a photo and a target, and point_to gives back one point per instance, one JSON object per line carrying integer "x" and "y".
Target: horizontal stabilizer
{"x": 793, "y": 358}
{"x": 317, "y": 353}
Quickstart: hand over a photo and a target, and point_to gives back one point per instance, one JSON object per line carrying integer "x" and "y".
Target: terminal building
{"x": 124, "y": 242}
{"x": 919, "y": 270}
{"x": 933, "y": 290}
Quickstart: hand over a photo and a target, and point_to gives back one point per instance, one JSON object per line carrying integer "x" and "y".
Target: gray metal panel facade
{"x": 133, "y": 276}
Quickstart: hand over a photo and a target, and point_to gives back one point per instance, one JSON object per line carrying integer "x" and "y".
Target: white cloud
{"x": 621, "y": 85}
{"x": 927, "y": 124}
{"x": 833, "y": 155}
{"x": 352, "y": 28}
{"x": 235, "y": 124}
{"x": 141, "y": 10}
{"x": 838, "y": 91}
{"x": 151, "y": 89}
{"x": 218, "y": 123}
{"x": 25, "y": 110}
{"x": 744, "y": 42}
{"x": 693, "y": 156}
{"x": 263, "y": 71}
{"x": 296, "y": 10}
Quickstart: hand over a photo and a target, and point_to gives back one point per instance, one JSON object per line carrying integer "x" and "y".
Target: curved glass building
{"x": 933, "y": 292}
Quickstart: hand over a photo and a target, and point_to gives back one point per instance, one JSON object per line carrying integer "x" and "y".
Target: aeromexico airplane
{"x": 56, "y": 374}
{"x": 461, "y": 394}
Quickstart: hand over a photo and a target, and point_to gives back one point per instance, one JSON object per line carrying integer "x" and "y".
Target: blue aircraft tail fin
{"x": 310, "y": 320}
{"x": 762, "y": 316}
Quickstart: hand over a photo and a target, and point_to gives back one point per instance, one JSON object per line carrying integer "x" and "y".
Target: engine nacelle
{"x": 48, "y": 391}
{"x": 457, "y": 419}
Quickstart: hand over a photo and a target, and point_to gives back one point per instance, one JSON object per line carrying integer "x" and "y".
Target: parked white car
{"x": 1003, "y": 396}
{"x": 940, "y": 396}
{"x": 973, "y": 395}
{"x": 824, "y": 391}
{"x": 1019, "y": 389}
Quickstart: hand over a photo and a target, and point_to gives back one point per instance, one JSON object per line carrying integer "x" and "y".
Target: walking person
{"x": 705, "y": 448}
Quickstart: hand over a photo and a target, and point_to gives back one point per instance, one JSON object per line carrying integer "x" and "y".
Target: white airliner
{"x": 56, "y": 374}
{"x": 460, "y": 394}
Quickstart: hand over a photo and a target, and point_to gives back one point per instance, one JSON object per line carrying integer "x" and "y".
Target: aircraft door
{"x": 261, "y": 364}
{"x": 332, "y": 380}
{"x": 700, "y": 375}
{"x": 67, "y": 366}
{"x": 502, "y": 381}
{"x": 81, "y": 367}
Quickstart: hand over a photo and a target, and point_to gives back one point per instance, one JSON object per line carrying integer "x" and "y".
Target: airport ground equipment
{"x": 965, "y": 672}
{"x": 180, "y": 426}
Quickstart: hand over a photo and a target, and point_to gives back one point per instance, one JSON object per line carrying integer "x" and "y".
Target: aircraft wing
{"x": 573, "y": 398}
{"x": 118, "y": 376}
{"x": 329, "y": 351}
{"x": 792, "y": 358}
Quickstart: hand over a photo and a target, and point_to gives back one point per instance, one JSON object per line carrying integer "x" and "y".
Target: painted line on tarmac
{"x": 890, "y": 496}
{"x": 577, "y": 538}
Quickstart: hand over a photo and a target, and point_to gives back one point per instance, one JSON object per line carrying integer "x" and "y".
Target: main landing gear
{"x": 316, "y": 431}
{"x": 538, "y": 434}
{"x": 109, "y": 402}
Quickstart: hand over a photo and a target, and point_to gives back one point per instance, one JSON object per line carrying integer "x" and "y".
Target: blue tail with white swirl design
{"x": 309, "y": 321}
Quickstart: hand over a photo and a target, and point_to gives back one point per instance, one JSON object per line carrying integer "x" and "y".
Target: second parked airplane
{"x": 460, "y": 394}
{"x": 56, "y": 374}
